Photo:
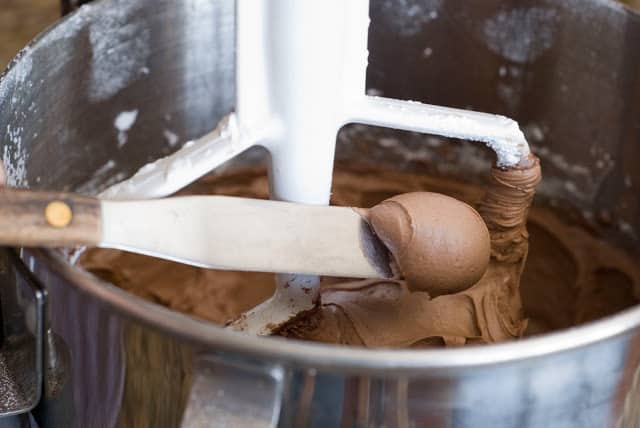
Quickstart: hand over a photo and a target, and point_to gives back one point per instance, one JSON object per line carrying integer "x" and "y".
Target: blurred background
{"x": 21, "y": 20}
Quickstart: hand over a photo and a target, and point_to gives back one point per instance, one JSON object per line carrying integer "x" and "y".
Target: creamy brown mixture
{"x": 569, "y": 276}
{"x": 384, "y": 314}
{"x": 439, "y": 244}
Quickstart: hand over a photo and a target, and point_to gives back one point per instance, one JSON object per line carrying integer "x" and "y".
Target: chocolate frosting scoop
{"x": 440, "y": 245}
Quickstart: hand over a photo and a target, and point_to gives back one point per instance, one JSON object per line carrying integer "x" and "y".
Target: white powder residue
{"x": 105, "y": 168}
{"x": 521, "y": 35}
{"x": 120, "y": 49}
{"x": 14, "y": 158}
{"x": 574, "y": 182}
{"x": 171, "y": 137}
{"x": 23, "y": 67}
{"x": 409, "y": 16}
{"x": 195, "y": 159}
{"x": 562, "y": 164}
{"x": 5, "y": 89}
{"x": 627, "y": 228}
{"x": 534, "y": 133}
{"x": 100, "y": 178}
{"x": 72, "y": 26}
{"x": 510, "y": 95}
{"x": 628, "y": 182}
{"x": 499, "y": 133}
{"x": 123, "y": 123}
{"x": 389, "y": 142}
{"x": 126, "y": 120}
{"x": 19, "y": 73}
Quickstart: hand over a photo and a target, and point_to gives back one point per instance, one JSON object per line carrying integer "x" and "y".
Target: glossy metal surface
{"x": 567, "y": 70}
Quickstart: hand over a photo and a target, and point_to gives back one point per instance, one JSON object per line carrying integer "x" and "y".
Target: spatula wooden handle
{"x": 48, "y": 219}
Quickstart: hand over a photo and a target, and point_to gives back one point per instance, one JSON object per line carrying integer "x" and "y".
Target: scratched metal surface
{"x": 21, "y": 20}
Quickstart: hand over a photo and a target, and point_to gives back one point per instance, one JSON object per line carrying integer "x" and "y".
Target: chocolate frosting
{"x": 570, "y": 277}
{"x": 440, "y": 245}
{"x": 490, "y": 311}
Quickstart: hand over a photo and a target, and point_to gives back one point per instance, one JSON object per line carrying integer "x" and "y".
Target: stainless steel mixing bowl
{"x": 568, "y": 70}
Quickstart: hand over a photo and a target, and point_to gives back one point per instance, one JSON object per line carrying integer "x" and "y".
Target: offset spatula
{"x": 209, "y": 231}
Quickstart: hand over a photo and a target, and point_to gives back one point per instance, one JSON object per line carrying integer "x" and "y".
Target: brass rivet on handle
{"x": 58, "y": 214}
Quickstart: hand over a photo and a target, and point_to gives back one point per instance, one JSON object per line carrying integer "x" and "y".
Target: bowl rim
{"x": 334, "y": 357}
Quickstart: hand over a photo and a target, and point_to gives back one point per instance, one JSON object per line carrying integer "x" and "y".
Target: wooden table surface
{"x": 20, "y": 21}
